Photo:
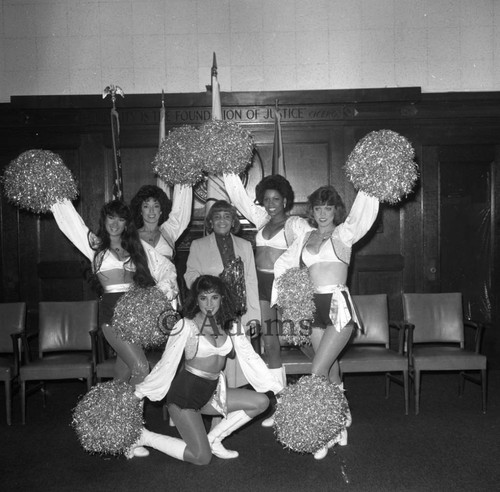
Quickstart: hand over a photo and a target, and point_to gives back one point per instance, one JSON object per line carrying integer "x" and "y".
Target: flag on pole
{"x": 216, "y": 104}
{"x": 117, "y": 191}
{"x": 162, "y": 134}
{"x": 215, "y": 184}
{"x": 278, "y": 162}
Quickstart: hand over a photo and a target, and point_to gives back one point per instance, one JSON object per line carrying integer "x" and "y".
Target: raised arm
{"x": 245, "y": 205}
{"x": 361, "y": 217}
{"x": 180, "y": 215}
{"x": 72, "y": 226}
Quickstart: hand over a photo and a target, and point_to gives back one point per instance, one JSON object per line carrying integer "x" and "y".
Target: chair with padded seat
{"x": 371, "y": 352}
{"x": 12, "y": 326}
{"x": 437, "y": 340}
{"x": 64, "y": 345}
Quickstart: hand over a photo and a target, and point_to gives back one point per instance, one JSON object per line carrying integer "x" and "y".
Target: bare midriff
{"x": 328, "y": 273}
{"x": 266, "y": 256}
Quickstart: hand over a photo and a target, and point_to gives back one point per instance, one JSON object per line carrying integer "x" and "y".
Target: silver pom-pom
{"x": 227, "y": 147}
{"x": 108, "y": 419}
{"x": 310, "y": 414}
{"x": 142, "y": 316}
{"x": 37, "y": 179}
{"x": 382, "y": 165}
{"x": 179, "y": 158}
{"x": 296, "y": 299}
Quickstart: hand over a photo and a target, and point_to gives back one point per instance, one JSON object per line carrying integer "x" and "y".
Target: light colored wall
{"x": 144, "y": 46}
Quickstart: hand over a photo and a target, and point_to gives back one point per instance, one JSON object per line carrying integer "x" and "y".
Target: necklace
{"x": 324, "y": 235}
{"x": 150, "y": 236}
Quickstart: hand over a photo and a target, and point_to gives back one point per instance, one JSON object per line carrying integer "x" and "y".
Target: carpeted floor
{"x": 450, "y": 446}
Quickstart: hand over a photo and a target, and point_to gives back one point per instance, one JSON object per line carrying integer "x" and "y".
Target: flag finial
{"x": 214, "y": 66}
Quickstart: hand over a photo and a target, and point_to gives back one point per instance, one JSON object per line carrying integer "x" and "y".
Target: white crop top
{"x": 115, "y": 275}
{"x": 326, "y": 254}
{"x": 278, "y": 241}
{"x": 206, "y": 349}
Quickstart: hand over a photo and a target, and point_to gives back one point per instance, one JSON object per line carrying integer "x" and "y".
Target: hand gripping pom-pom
{"x": 179, "y": 158}
{"x": 226, "y": 147}
{"x": 310, "y": 414}
{"x": 108, "y": 419}
{"x": 37, "y": 179}
{"x": 296, "y": 299}
{"x": 143, "y": 316}
{"x": 382, "y": 165}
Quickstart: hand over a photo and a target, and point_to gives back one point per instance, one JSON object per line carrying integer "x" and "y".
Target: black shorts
{"x": 191, "y": 391}
{"x": 322, "y": 314}
{"x": 107, "y": 307}
{"x": 265, "y": 281}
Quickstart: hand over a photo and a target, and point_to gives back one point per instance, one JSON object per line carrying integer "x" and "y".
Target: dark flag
{"x": 115, "y": 134}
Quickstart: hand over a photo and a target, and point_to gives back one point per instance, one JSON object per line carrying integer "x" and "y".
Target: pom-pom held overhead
{"x": 108, "y": 419}
{"x": 227, "y": 147}
{"x": 37, "y": 179}
{"x": 382, "y": 165}
{"x": 310, "y": 414}
{"x": 296, "y": 299}
{"x": 140, "y": 316}
{"x": 188, "y": 154}
{"x": 179, "y": 158}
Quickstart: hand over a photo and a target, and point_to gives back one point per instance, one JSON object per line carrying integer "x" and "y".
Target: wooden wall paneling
{"x": 429, "y": 274}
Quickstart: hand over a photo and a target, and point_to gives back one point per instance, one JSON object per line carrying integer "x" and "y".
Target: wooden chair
{"x": 64, "y": 342}
{"x": 12, "y": 326}
{"x": 370, "y": 352}
{"x": 437, "y": 340}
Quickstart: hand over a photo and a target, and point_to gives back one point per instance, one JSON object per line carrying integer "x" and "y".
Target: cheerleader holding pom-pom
{"x": 381, "y": 166}
{"x": 206, "y": 337}
{"x": 39, "y": 181}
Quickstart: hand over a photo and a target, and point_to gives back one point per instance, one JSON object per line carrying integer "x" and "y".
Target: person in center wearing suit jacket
{"x": 221, "y": 253}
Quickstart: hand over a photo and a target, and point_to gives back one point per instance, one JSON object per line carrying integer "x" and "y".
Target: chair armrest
{"x": 16, "y": 341}
{"x": 409, "y": 339}
{"x": 94, "y": 343}
{"x": 402, "y": 327}
{"x": 25, "y": 338}
{"x": 478, "y": 338}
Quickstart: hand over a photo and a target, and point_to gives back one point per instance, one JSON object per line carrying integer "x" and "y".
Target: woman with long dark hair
{"x": 205, "y": 338}
{"x": 119, "y": 259}
{"x": 159, "y": 221}
{"x": 225, "y": 254}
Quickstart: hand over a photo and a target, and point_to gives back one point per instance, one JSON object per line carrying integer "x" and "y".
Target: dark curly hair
{"x": 130, "y": 242}
{"x": 325, "y": 195}
{"x": 208, "y": 283}
{"x": 145, "y": 193}
{"x": 278, "y": 183}
{"x": 222, "y": 206}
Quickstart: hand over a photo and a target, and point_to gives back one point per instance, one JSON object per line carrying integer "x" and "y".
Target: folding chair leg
{"x": 406, "y": 389}
{"x": 416, "y": 382}
{"x": 483, "y": 387}
{"x": 23, "y": 402}
{"x": 8, "y": 402}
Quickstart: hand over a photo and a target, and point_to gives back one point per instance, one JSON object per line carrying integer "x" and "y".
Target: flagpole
{"x": 162, "y": 134}
{"x": 278, "y": 161}
{"x": 117, "y": 191}
{"x": 215, "y": 185}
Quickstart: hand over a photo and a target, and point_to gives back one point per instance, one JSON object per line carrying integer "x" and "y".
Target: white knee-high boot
{"x": 227, "y": 426}
{"x": 141, "y": 451}
{"x": 278, "y": 373}
{"x": 170, "y": 446}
